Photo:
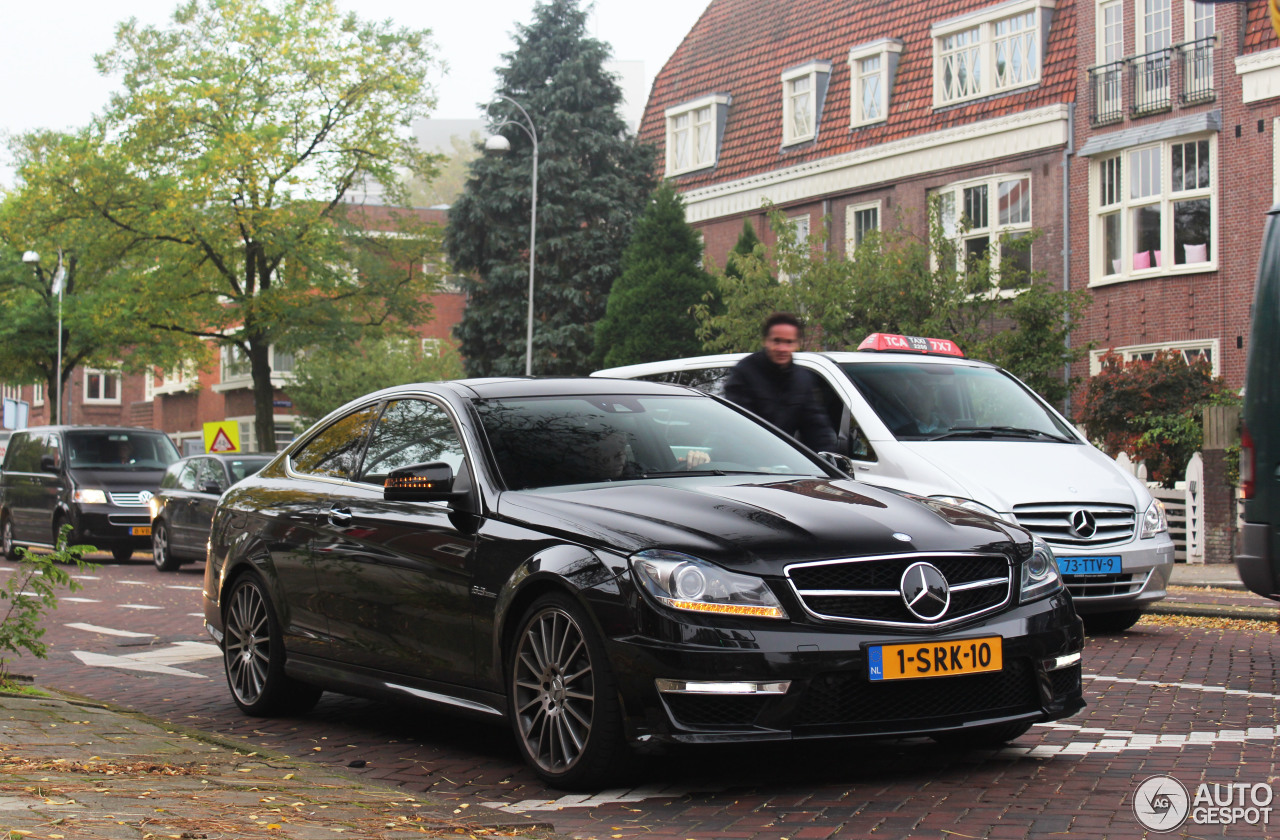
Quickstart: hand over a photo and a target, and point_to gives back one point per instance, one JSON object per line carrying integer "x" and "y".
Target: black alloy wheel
{"x": 253, "y": 653}
{"x": 121, "y": 553}
{"x": 564, "y": 705}
{"x": 160, "y": 550}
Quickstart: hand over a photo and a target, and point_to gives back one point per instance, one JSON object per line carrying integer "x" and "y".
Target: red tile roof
{"x": 741, "y": 47}
{"x": 1259, "y": 35}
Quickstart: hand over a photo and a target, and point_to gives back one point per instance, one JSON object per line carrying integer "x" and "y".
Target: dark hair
{"x": 782, "y": 318}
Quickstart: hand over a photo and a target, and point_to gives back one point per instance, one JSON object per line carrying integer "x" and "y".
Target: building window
{"x": 235, "y": 371}
{"x": 37, "y": 394}
{"x": 989, "y": 51}
{"x": 1206, "y": 349}
{"x": 859, "y": 220}
{"x": 1155, "y": 209}
{"x": 431, "y": 348}
{"x": 1108, "y": 76}
{"x": 694, "y": 130}
{"x": 803, "y": 89}
{"x": 1154, "y": 36}
{"x": 1201, "y": 28}
{"x": 976, "y": 215}
{"x": 101, "y": 387}
{"x": 11, "y": 392}
{"x": 872, "y": 68}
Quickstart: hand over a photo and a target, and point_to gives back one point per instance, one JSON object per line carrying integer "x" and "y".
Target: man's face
{"x": 781, "y": 342}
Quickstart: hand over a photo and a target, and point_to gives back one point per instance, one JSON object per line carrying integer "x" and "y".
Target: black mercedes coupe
{"x": 614, "y": 566}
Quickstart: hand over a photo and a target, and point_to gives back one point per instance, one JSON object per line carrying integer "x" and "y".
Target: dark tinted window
{"x": 186, "y": 477}
{"x": 242, "y": 468}
{"x": 708, "y": 380}
{"x": 411, "y": 432}
{"x": 24, "y": 453}
{"x": 119, "y": 449}
{"x": 211, "y": 472}
{"x": 335, "y": 450}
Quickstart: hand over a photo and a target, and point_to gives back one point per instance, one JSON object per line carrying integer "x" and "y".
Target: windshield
{"x": 547, "y": 441}
{"x": 921, "y": 401}
{"x": 120, "y": 450}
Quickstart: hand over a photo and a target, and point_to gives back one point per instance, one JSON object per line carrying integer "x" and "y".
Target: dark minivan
{"x": 98, "y": 479}
{"x": 1259, "y": 556}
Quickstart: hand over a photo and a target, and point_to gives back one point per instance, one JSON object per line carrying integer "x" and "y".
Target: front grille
{"x": 1052, "y": 521}
{"x": 867, "y": 589}
{"x": 849, "y": 699}
{"x": 128, "y": 499}
{"x": 709, "y": 711}
{"x": 1098, "y": 586}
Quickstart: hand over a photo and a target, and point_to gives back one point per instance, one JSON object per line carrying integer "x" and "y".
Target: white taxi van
{"x": 915, "y": 415}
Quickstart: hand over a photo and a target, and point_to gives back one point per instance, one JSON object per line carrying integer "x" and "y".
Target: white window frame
{"x": 11, "y": 392}
{"x": 1195, "y": 12}
{"x": 180, "y": 380}
{"x": 790, "y": 79}
{"x": 1110, "y": 51}
{"x": 431, "y": 347}
{"x": 850, "y": 227}
{"x": 1188, "y": 349}
{"x": 103, "y": 376}
{"x": 994, "y": 228}
{"x": 886, "y": 52}
{"x": 704, "y": 117}
{"x": 37, "y": 394}
{"x": 1125, "y": 203}
{"x": 284, "y": 430}
{"x": 978, "y": 34}
{"x": 236, "y": 380}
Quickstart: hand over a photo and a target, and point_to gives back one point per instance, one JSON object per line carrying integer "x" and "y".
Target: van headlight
{"x": 89, "y": 497}
{"x": 684, "y": 582}
{"x": 1154, "y": 520}
{"x": 1040, "y": 575}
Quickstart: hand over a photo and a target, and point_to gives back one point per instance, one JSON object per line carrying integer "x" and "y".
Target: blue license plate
{"x": 1108, "y": 564}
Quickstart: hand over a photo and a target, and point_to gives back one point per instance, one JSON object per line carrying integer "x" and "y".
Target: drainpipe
{"x": 1066, "y": 240}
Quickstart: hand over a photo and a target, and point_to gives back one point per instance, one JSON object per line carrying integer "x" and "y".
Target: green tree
{"x": 329, "y": 376}
{"x": 647, "y": 316}
{"x": 1152, "y": 409}
{"x": 227, "y": 162}
{"x": 593, "y": 181}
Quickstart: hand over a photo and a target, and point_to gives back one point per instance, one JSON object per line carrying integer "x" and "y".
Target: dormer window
{"x": 990, "y": 51}
{"x": 803, "y": 89}
{"x": 694, "y": 130}
{"x": 872, "y": 67}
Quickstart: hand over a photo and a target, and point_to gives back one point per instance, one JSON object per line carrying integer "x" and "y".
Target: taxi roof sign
{"x": 889, "y": 342}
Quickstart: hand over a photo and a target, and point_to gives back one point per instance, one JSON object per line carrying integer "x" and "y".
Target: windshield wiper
{"x": 1004, "y": 431}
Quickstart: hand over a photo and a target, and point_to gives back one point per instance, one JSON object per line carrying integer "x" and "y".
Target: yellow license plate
{"x": 140, "y": 530}
{"x": 935, "y": 659}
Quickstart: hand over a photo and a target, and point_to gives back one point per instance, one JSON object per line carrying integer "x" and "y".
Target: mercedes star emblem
{"x": 925, "y": 592}
{"x": 1082, "y": 524}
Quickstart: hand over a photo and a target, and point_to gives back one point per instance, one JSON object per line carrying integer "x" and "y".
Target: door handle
{"x": 339, "y": 516}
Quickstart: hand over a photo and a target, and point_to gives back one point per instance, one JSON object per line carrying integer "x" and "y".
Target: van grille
{"x": 128, "y": 499}
{"x": 1078, "y": 524}
{"x": 867, "y": 590}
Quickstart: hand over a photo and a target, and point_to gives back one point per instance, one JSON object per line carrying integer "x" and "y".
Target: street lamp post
{"x": 33, "y": 258}
{"x": 501, "y": 145}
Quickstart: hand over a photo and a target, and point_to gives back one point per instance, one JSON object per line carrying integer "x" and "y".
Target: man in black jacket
{"x": 769, "y": 384}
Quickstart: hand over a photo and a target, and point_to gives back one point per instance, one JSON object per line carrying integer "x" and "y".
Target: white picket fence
{"x": 1183, "y": 505}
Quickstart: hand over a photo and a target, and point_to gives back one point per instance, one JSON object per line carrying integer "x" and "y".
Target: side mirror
{"x": 841, "y": 462}
{"x": 431, "y": 482}
{"x": 48, "y": 464}
{"x": 212, "y": 487}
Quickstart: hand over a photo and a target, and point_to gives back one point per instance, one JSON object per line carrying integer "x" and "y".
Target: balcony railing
{"x": 1153, "y": 77}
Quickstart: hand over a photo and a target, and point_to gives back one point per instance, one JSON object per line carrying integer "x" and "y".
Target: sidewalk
{"x": 1213, "y": 591}
{"x": 76, "y": 770}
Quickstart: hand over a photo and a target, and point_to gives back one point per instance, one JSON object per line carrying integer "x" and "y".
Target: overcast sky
{"x": 48, "y": 80}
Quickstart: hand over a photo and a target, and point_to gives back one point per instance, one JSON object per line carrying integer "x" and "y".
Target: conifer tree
{"x": 593, "y": 181}
{"x": 648, "y": 317}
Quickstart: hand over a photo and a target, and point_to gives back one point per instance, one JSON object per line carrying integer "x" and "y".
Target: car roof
{"x": 838, "y": 357}
{"x": 497, "y": 388}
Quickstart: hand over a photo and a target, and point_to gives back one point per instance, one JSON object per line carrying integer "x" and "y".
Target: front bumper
{"x": 828, "y": 691}
{"x": 109, "y": 526}
{"x": 1146, "y": 566}
{"x": 1255, "y": 561}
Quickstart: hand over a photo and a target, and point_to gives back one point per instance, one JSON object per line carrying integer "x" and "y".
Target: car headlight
{"x": 970, "y": 504}
{"x": 90, "y": 497}
{"x": 1154, "y": 521}
{"x": 1040, "y": 575}
{"x": 688, "y": 583}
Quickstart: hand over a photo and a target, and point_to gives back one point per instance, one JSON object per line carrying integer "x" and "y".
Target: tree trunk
{"x": 264, "y": 424}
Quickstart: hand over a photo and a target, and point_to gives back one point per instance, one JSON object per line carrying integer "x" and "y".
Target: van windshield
{"x": 923, "y": 401}
{"x": 119, "y": 450}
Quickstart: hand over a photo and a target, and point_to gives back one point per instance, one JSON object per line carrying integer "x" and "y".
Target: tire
{"x": 73, "y": 536}
{"x": 160, "y": 551}
{"x": 1111, "y": 622}
{"x": 980, "y": 737}
{"x": 121, "y": 553}
{"x": 9, "y": 549}
{"x": 253, "y": 654}
{"x": 564, "y": 699}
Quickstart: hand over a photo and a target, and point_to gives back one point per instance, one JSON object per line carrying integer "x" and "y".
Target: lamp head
{"x": 497, "y": 144}
{"x": 30, "y": 257}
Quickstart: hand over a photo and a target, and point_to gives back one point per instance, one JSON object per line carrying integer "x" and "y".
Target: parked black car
{"x": 182, "y": 509}
{"x": 611, "y": 564}
{"x": 98, "y": 479}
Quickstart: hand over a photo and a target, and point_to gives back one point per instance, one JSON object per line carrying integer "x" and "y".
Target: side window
{"x": 335, "y": 450}
{"x": 211, "y": 472}
{"x": 53, "y": 449}
{"x": 852, "y": 441}
{"x": 707, "y": 380}
{"x": 187, "y": 478}
{"x": 672, "y": 376}
{"x": 24, "y": 453}
{"x": 411, "y": 432}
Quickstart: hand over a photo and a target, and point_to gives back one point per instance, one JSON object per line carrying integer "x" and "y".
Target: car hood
{"x": 755, "y": 525}
{"x": 120, "y": 481}
{"x": 1001, "y": 474}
